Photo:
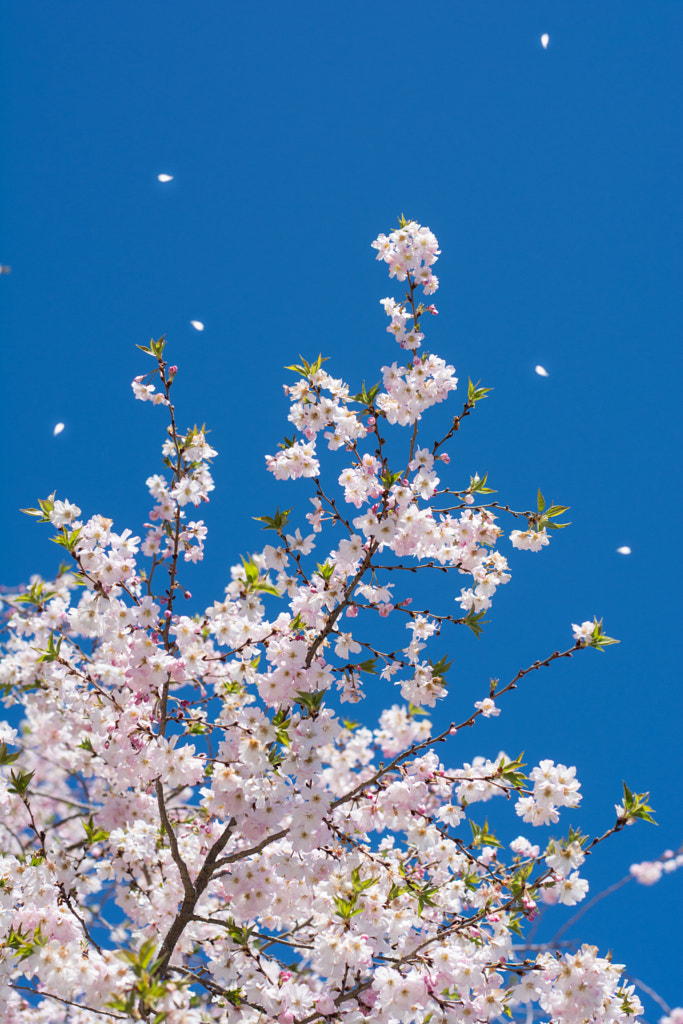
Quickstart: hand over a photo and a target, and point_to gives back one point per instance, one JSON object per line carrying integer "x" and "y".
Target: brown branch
{"x": 67, "y": 1002}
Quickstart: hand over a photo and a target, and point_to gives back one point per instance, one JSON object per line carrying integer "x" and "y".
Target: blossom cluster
{"x": 411, "y": 251}
{"x": 650, "y": 871}
{"x": 192, "y": 832}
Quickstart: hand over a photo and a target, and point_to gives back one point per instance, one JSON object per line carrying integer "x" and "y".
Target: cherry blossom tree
{"x": 193, "y": 832}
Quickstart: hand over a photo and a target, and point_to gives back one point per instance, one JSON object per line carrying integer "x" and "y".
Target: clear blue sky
{"x": 295, "y": 133}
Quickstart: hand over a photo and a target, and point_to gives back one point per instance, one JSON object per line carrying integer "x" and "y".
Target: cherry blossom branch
{"x": 67, "y": 1002}
{"x": 336, "y": 612}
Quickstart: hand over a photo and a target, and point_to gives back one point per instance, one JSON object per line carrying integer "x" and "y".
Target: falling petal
{"x": 165, "y": 177}
{"x": 541, "y": 371}
{"x": 197, "y": 324}
{"x": 59, "y": 427}
{"x": 625, "y": 550}
{"x": 545, "y": 39}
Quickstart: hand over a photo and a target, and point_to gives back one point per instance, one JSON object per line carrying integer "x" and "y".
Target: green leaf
{"x": 360, "y": 885}
{"x": 93, "y": 833}
{"x": 6, "y": 758}
{"x": 478, "y": 485}
{"x": 267, "y": 588}
{"x": 475, "y": 621}
{"x": 511, "y": 771}
{"x": 346, "y": 909}
{"x": 636, "y": 806}
{"x": 365, "y": 397}
{"x": 440, "y": 668}
{"x": 557, "y": 510}
{"x": 424, "y": 898}
{"x": 158, "y": 347}
{"x": 253, "y": 581}
{"x": 234, "y": 996}
{"x": 67, "y": 539}
{"x": 43, "y": 513}
{"x": 52, "y": 652}
{"x": 325, "y": 571}
{"x": 481, "y": 835}
{"x": 307, "y": 369}
{"x": 276, "y": 522}
{"x": 519, "y": 879}
{"x": 475, "y": 393}
{"x": 389, "y": 479}
{"x": 23, "y": 944}
{"x": 311, "y": 701}
{"x": 20, "y": 782}
{"x": 36, "y": 595}
{"x": 598, "y": 639}
{"x": 240, "y": 934}
{"x": 545, "y": 514}
{"x": 396, "y": 890}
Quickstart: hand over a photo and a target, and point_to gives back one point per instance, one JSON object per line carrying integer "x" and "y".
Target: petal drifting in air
{"x": 197, "y": 324}
{"x": 164, "y": 177}
{"x": 541, "y": 371}
{"x": 545, "y": 39}
{"x": 58, "y": 428}
{"x": 625, "y": 550}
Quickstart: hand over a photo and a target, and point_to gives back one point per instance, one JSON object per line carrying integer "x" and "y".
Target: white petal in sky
{"x": 541, "y": 371}
{"x": 545, "y": 39}
{"x": 624, "y": 551}
{"x": 165, "y": 177}
{"x": 197, "y": 324}
{"x": 59, "y": 427}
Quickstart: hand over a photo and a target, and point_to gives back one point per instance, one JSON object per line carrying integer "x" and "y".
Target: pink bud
{"x": 168, "y": 613}
{"x": 172, "y": 370}
{"x": 371, "y": 421}
{"x": 187, "y": 595}
{"x": 352, "y": 611}
{"x": 445, "y": 457}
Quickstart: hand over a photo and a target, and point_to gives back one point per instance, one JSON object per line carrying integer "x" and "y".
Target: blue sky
{"x": 295, "y": 133}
